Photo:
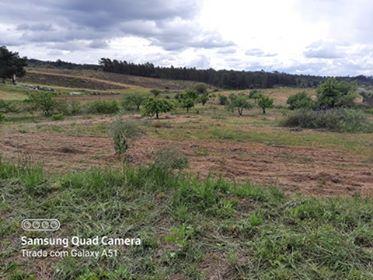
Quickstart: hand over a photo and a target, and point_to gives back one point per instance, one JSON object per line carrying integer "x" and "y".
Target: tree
{"x": 265, "y": 102}
{"x": 255, "y": 94}
{"x": 187, "y": 103}
{"x": 333, "y": 93}
{"x": 11, "y": 65}
{"x": 190, "y": 94}
{"x": 155, "y": 106}
{"x": 299, "y": 101}
{"x": 239, "y": 102}
{"x": 133, "y": 100}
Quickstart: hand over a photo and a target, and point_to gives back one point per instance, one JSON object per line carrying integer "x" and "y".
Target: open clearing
{"x": 257, "y": 200}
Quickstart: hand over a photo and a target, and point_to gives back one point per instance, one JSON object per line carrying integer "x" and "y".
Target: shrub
{"x": 58, "y": 117}
{"x": 367, "y": 96}
{"x": 103, "y": 107}
{"x": 170, "y": 159}
{"x": 239, "y": 102}
{"x": 43, "y": 101}
{"x": 155, "y": 106}
{"x": 133, "y": 101}
{"x": 265, "y": 102}
{"x": 333, "y": 93}
{"x": 2, "y": 117}
{"x": 122, "y": 132}
{"x": 155, "y": 92}
{"x": 300, "y": 101}
{"x": 3, "y": 106}
{"x": 342, "y": 120}
{"x": 200, "y": 88}
{"x": 223, "y": 100}
{"x": 203, "y": 98}
{"x": 74, "y": 108}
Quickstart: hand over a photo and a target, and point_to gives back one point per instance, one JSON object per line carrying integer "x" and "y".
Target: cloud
{"x": 259, "y": 53}
{"x": 169, "y": 24}
{"x": 325, "y": 37}
{"x": 324, "y": 50}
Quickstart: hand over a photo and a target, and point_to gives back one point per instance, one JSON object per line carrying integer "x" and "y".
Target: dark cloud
{"x": 168, "y": 24}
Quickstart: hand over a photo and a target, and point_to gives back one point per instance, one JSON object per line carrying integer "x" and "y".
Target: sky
{"x": 318, "y": 37}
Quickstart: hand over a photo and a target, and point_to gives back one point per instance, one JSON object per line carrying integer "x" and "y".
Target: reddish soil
{"x": 294, "y": 169}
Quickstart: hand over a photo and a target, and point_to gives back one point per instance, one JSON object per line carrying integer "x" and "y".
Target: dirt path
{"x": 295, "y": 169}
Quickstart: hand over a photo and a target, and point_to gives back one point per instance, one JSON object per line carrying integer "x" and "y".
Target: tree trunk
{"x": 264, "y": 110}
{"x": 14, "y": 77}
{"x": 156, "y": 115}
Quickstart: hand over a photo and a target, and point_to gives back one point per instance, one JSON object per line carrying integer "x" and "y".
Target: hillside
{"x": 98, "y": 80}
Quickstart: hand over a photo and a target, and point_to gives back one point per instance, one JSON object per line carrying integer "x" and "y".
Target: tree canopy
{"x": 333, "y": 93}
{"x": 155, "y": 106}
{"x": 11, "y": 65}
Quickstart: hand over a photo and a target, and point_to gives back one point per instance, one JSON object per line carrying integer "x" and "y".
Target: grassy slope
{"x": 190, "y": 229}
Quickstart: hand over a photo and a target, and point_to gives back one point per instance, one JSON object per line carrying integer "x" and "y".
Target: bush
{"x": 300, "y": 101}
{"x": 333, "y": 94}
{"x": 223, "y": 100}
{"x": 133, "y": 101}
{"x": 74, "y": 108}
{"x": 43, "y": 101}
{"x": 204, "y": 98}
{"x": 155, "y": 92}
{"x": 103, "y": 107}
{"x": 170, "y": 159}
{"x": 3, "y": 106}
{"x": 122, "y": 132}
{"x": 341, "y": 120}
{"x": 58, "y": 117}
{"x": 2, "y": 117}
{"x": 200, "y": 88}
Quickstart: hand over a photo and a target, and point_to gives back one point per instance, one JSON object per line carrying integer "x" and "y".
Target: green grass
{"x": 256, "y": 232}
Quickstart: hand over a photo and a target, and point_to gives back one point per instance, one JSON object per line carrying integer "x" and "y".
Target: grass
{"x": 256, "y": 232}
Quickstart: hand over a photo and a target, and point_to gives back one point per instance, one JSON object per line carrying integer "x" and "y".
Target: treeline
{"x": 62, "y": 64}
{"x": 222, "y": 78}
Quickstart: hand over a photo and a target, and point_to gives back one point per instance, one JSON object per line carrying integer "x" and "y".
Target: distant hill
{"x": 229, "y": 79}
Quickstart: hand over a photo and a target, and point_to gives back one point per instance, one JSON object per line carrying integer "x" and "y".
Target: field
{"x": 257, "y": 200}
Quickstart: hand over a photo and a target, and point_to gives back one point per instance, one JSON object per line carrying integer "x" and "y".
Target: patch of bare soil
{"x": 294, "y": 169}
{"x": 47, "y": 78}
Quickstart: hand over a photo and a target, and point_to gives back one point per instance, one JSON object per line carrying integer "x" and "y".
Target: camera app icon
{"x": 40, "y": 224}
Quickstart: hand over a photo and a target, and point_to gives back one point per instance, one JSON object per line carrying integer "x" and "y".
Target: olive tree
{"x": 239, "y": 102}
{"x": 265, "y": 102}
{"x": 155, "y": 106}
